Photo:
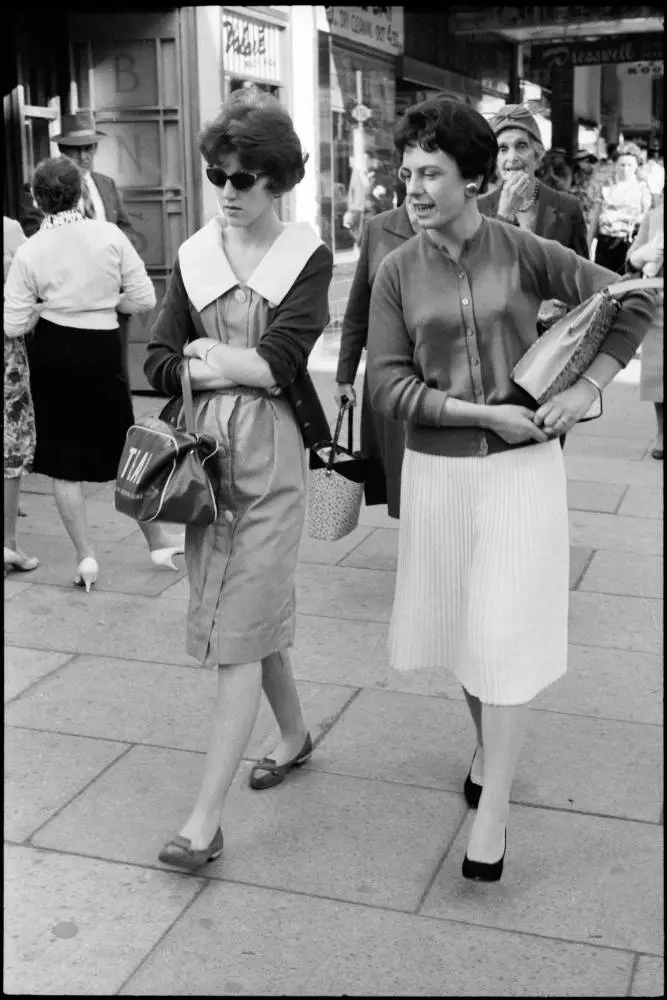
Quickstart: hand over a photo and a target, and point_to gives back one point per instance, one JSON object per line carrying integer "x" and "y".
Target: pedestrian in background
{"x": 246, "y": 303}
{"x": 382, "y": 440}
{"x": 526, "y": 202}
{"x": 101, "y": 200}
{"x": 19, "y": 418}
{"x": 585, "y": 187}
{"x": 624, "y": 201}
{"x": 82, "y": 272}
{"x": 482, "y": 577}
{"x": 653, "y": 171}
{"x": 647, "y": 255}
{"x": 554, "y": 170}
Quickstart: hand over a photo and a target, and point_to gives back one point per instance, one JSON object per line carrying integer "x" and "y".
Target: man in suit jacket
{"x": 381, "y": 439}
{"x": 78, "y": 140}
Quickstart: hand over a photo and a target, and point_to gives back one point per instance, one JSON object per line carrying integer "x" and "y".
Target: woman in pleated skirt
{"x": 482, "y": 577}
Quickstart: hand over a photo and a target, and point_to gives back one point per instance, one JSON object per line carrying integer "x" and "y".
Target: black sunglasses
{"x": 242, "y": 180}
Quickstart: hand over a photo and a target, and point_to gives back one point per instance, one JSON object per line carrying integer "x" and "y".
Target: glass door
{"x": 129, "y": 70}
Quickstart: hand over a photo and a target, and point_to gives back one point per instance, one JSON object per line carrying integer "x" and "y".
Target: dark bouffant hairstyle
{"x": 256, "y": 127}
{"x": 456, "y": 129}
{"x": 56, "y": 184}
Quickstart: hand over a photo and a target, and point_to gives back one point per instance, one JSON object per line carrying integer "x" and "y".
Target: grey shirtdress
{"x": 242, "y": 596}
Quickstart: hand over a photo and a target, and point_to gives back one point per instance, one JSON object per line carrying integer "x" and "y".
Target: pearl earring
{"x": 471, "y": 190}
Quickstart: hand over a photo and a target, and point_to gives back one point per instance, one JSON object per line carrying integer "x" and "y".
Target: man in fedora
{"x": 100, "y": 199}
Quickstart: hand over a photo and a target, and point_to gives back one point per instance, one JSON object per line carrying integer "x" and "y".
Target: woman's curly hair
{"x": 629, "y": 149}
{"x": 456, "y": 129}
{"x": 256, "y": 127}
{"x": 56, "y": 184}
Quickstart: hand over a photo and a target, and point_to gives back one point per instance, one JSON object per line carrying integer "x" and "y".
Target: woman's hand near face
{"x": 515, "y": 192}
{"x": 514, "y": 424}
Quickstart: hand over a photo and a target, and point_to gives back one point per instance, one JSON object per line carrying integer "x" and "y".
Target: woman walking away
{"x": 19, "y": 423}
{"x": 246, "y": 302}
{"x": 82, "y": 272}
{"x": 647, "y": 254}
{"x": 482, "y": 580}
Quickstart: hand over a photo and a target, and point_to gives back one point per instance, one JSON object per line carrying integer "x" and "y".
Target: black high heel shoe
{"x": 480, "y": 871}
{"x": 471, "y": 789}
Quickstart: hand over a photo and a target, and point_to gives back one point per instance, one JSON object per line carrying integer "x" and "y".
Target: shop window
{"x": 357, "y": 156}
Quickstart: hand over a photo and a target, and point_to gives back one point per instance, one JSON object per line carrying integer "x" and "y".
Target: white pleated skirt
{"x": 483, "y": 571}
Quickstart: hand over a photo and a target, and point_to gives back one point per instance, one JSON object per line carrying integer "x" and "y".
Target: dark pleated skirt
{"x": 82, "y": 401}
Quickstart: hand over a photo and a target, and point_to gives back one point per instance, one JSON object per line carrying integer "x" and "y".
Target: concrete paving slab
{"x": 24, "y": 667}
{"x": 15, "y": 584}
{"x": 643, "y": 501}
{"x": 130, "y": 627}
{"x": 601, "y": 446}
{"x": 590, "y": 469}
{"x": 318, "y": 947}
{"x": 635, "y": 535}
{"x": 601, "y": 497}
{"x": 649, "y": 978}
{"x": 624, "y": 573}
{"x": 377, "y": 517}
{"x": 599, "y": 766}
{"x": 43, "y": 771}
{"x": 313, "y": 550}
{"x": 567, "y": 875}
{"x": 152, "y": 703}
{"x": 633, "y": 623}
{"x": 379, "y": 551}
{"x": 105, "y": 523}
{"x": 76, "y": 926}
{"x": 322, "y": 834}
{"x": 349, "y": 652}
{"x": 429, "y": 742}
{"x": 408, "y": 739}
{"x": 608, "y": 683}
{"x": 33, "y": 482}
{"x": 123, "y": 569}
{"x": 340, "y": 592}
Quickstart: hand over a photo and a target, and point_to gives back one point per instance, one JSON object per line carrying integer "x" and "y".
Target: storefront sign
{"x": 618, "y": 49}
{"x": 250, "y": 48}
{"x": 500, "y": 18}
{"x": 379, "y": 28}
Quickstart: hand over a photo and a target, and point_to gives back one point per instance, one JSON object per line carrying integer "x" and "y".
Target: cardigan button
{"x": 240, "y": 295}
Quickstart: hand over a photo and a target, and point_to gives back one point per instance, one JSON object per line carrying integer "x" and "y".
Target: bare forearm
{"x": 603, "y": 369}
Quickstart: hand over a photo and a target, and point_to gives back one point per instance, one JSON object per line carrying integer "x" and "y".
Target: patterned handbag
{"x": 336, "y": 486}
{"x": 564, "y": 352}
{"x": 167, "y": 474}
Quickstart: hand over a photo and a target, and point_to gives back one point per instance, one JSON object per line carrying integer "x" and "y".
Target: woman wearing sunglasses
{"x": 482, "y": 577}
{"x": 247, "y": 300}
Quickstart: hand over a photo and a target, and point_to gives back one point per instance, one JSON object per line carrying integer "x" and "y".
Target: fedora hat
{"x": 78, "y": 130}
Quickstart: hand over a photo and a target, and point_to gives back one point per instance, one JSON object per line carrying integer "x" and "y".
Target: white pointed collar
{"x": 207, "y": 274}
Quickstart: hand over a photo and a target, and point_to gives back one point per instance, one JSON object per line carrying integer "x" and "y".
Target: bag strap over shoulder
{"x": 619, "y": 288}
{"x": 188, "y": 406}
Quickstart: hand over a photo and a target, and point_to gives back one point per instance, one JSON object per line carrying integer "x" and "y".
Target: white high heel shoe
{"x": 165, "y": 557}
{"x": 86, "y": 573}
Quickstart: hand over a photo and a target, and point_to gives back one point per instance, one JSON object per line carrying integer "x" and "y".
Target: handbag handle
{"x": 350, "y": 439}
{"x": 188, "y": 406}
{"x": 633, "y": 285}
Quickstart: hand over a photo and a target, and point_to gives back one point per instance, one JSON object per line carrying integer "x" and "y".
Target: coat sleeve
{"x": 298, "y": 320}
{"x": 137, "y": 292}
{"x": 21, "y": 309}
{"x": 355, "y": 321}
{"x": 172, "y": 330}
{"x": 565, "y": 275}
{"x": 122, "y": 218}
{"x": 578, "y": 239}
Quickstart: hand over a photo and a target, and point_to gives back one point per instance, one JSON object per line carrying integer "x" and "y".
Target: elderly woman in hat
{"x": 524, "y": 201}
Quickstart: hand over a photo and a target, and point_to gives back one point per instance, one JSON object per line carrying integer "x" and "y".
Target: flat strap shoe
{"x": 267, "y": 774}
{"x": 178, "y": 851}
